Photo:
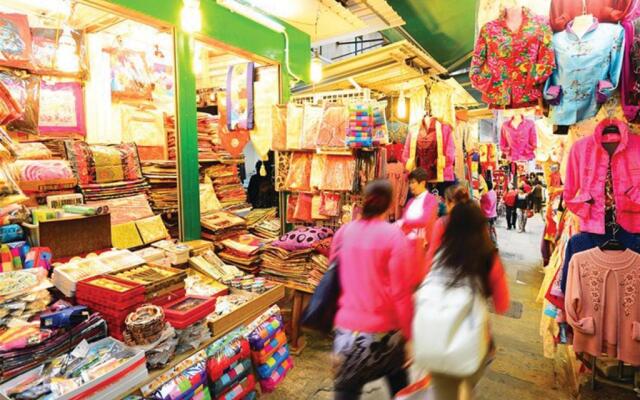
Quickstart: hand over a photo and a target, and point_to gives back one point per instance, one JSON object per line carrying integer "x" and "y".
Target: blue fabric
{"x": 585, "y": 241}
{"x": 580, "y": 66}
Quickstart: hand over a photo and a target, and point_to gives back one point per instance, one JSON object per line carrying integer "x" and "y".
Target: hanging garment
{"x": 432, "y": 148}
{"x": 509, "y": 67}
{"x": 240, "y": 96}
{"x": 398, "y": 178}
{"x": 630, "y": 80}
{"x": 550, "y": 147}
{"x": 603, "y": 291}
{"x": 584, "y": 189}
{"x": 562, "y": 12}
{"x": 518, "y": 142}
{"x": 441, "y": 98}
{"x": 588, "y": 71}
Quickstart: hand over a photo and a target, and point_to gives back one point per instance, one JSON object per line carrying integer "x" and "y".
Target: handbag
{"x": 450, "y": 327}
{"x": 323, "y": 306}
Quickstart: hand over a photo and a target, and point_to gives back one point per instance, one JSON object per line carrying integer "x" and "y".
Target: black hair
{"x": 489, "y": 185}
{"x": 418, "y": 175}
{"x": 467, "y": 249}
{"x": 377, "y": 198}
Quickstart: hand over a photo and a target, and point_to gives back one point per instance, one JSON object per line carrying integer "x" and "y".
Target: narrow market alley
{"x": 519, "y": 371}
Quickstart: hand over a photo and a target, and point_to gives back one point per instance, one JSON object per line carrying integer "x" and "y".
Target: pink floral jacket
{"x": 584, "y": 189}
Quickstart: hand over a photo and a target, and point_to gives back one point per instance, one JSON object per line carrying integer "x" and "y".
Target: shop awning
{"x": 389, "y": 69}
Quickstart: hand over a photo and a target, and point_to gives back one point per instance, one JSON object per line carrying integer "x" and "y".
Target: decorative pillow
{"x": 33, "y": 151}
{"x": 303, "y": 238}
{"x": 104, "y": 163}
{"x": 42, "y": 170}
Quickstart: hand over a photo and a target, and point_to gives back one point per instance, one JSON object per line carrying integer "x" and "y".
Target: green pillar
{"x": 187, "y": 143}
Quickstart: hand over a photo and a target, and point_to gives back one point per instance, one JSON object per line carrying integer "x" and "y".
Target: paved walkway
{"x": 519, "y": 371}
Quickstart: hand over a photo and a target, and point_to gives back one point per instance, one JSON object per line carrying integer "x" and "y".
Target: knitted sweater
{"x": 602, "y": 303}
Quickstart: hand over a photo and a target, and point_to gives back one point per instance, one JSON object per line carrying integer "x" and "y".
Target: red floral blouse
{"x": 509, "y": 67}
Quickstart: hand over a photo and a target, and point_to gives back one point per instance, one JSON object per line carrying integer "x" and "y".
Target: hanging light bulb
{"x": 67, "y": 59}
{"x": 191, "y": 17}
{"x": 316, "y": 68}
{"x": 402, "y": 106}
{"x": 197, "y": 59}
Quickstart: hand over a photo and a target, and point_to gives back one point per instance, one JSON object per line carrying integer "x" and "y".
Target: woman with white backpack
{"x": 452, "y": 340}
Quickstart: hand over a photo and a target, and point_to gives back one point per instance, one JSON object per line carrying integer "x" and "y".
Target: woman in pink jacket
{"x": 375, "y": 309}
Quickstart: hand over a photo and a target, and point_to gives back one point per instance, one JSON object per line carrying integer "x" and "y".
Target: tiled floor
{"x": 519, "y": 372}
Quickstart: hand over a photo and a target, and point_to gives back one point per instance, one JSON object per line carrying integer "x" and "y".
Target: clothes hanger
{"x": 613, "y": 243}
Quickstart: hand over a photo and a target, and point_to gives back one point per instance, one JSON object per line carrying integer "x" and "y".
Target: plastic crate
{"x": 188, "y": 310}
{"x": 87, "y": 292}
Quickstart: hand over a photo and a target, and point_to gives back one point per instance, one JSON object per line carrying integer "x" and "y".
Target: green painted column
{"x": 187, "y": 144}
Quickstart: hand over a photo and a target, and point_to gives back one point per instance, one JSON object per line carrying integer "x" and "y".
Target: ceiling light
{"x": 67, "y": 59}
{"x": 252, "y": 13}
{"x": 191, "y": 16}
{"x": 316, "y": 68}
{"x": 402, "y": 106}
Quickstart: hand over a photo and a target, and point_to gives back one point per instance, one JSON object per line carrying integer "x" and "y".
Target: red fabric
{"x": 497, "y": 277}
{"x": 376, "y": 277}
{"x": 562, "y": 12}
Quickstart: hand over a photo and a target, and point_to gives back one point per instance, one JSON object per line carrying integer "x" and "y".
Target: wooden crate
{"x": 247, "y": 312}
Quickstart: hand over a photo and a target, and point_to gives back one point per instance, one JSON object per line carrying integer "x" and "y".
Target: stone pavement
{"x": 519, "y": 370}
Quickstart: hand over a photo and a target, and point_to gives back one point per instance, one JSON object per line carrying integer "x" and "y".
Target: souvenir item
{"x": 45, "y": 44}
{"x": 334, "y": 126}
{"x": 15, "y": 41}
{"x": 144, "y": 127}
{"x": 33, "y": 151}
{"x": 312, "y": 119}
{"x": 25, "y": 90}
{"x": 61, "y": 109}
{"x": 267, "y": 94}
{"x": 269, "y": 385}
{"x": 104, "y": 163}
{"x": 239, "y": 100}
{"x": 299, "y": 176}
{"x": 295, "y": 118}
{"x": 130, "y": 76}
{"x": 10, "y": 109}
{"x": 38, "y": 257}
{"x": 233, "y": 141}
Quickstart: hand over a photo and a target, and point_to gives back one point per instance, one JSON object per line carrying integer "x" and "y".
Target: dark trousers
{"x": 512, "y": 217}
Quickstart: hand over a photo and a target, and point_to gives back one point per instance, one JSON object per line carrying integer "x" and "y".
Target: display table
{"x": 297, "y": 340}
{"x": 220, "y": 327}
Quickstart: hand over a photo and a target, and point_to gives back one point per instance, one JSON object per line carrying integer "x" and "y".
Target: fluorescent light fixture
{"x": 252, "y": 13}
{"x": 191, "y": 16}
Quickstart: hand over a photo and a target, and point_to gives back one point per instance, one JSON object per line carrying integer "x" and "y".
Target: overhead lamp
{"x": 316, "y": 68}
{"x": 191, "y": 16}
{"x": 252, "y": 13}
{"x": 67, "y": 58}
{"x": 402, "y": 106}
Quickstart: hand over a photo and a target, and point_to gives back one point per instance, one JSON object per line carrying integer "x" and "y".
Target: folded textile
{"x": 235, "y": 373}
{"x": 266, "y": 370}
{"x": 241, "y": 390}
{"x": 265, "y": 332}
{"x": 270, "y": 384}
{"x": 262, "y": 356}
{"x": 225, "y": 352}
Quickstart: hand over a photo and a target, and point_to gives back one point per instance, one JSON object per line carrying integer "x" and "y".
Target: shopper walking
{"x": 510, "y": 199}
{"x": 420, "y": 214}
{"x": 375, "y": 309}
{"x": 466, "y": 256}
{"x": 536, "y": 196}
{"x": 522, "y": 204}
{"x": 489, "y": 204}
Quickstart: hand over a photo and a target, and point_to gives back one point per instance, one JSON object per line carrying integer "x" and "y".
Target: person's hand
{"x": 408, "y": 354}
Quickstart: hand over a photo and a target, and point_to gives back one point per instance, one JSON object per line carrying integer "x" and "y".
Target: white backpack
{"x": 450, "y": 327}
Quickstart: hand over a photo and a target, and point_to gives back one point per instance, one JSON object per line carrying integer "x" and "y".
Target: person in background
{"x": 420, "y": 214}
{"x": 536, "y": 196}
{"x": 261, "y": 192}
{"x": 466, "y": 250}
{"x": 375, "y": 308}
{"x": 510, "y": 199}
{"x": 525, "y": 183}
{"x": 522, "y": 204}
{"x": 489, "y": 204}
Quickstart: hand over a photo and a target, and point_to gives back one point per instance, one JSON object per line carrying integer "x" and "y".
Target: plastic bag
{"x": 299, "y": 176}
{"x": 10, "y": 193}
{"x": 25, "y": 90}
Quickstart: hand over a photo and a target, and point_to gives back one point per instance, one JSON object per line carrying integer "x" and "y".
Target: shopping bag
{"x": 417, "y": 391}
{"x": 322, "y": 308}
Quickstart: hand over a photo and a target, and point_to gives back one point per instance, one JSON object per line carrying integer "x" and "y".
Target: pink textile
{"x": 488, "y": 203}
{"x": 603, "y": 291}
{"x": 585, "y": 179}
{"x": 519, "y": 144}
{"x": 376, "y": 277}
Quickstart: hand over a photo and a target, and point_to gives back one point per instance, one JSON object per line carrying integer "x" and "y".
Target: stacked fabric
{"x": 221, "y": 225}
{"x": 243, "y": 251}
{"x": 23, "y": 348}
{"x": 41, "y": 178}
{"x": 367, "y": 125}
{"x": 209, "y": 143}
{"x": 227, "y": 185}
{"x": 293, "y": 259}
{"x": 258, "y": 215}
{"x": 163, "y": 180}
{"x": 268, "y": 230}
{"x": 270, "y": 353}
{"x": 212, "y": 266}
{"x": 229, "y": 368}
{"x": 106, "y": 171}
